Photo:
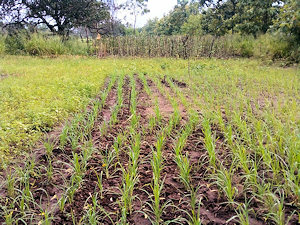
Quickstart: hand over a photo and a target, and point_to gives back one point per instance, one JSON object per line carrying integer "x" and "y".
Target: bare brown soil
{"x": 2, "y": 76}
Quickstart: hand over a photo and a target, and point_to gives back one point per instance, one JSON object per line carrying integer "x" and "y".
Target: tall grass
{"x": 43, "y": 45}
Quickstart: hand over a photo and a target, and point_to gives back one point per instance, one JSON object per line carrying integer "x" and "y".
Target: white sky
{"x": 158, "y": 8}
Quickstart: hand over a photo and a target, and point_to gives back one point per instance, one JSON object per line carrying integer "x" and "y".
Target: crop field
{"x": 148, "y": 141}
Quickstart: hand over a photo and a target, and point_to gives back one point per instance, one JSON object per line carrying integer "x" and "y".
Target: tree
{"x": 150, "y": 27}
{"x": 193, "y": 26}
{"x": 60, "y": 16}
{"x": 257, "y": 16}
{"x": 172, "y": 23}
{"x": 244, "y": 16}
{"x": 136, "y": 7}
{"x": 288, "y": 20}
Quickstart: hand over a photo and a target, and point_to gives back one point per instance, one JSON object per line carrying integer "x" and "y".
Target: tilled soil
{"x": 213, "y": 208}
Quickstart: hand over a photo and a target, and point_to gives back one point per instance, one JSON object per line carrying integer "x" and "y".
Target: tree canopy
{"x": 60, "y": 16}
{"x": 219, "y": 17}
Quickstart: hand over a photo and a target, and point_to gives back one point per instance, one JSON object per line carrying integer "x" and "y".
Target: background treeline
{"x": 199, "y": 28}
{"x": 220, "y": 17}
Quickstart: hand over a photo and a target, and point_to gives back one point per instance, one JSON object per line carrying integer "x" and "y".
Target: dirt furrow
{"x": 170, "y": 173}
{"x": 170, "y": 91}
{"x": 112, "y": 175}
{"x": 145, "y": 109}
{"x": 165, "y": 107}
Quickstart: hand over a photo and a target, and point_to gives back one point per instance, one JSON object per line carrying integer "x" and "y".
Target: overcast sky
{"x": 158, "y": 8}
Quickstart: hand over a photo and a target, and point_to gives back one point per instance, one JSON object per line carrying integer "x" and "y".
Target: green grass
{"x": 40, "y": 93}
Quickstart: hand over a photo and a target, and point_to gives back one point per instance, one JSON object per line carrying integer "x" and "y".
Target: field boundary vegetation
{"x": 269, "y": 47}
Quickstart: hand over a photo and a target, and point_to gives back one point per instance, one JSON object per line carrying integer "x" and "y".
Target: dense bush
{"x": 277, "y": 47}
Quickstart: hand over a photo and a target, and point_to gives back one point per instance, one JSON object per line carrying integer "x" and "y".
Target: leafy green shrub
{"x": 246, "y": 47}
{"x": 14, "y": 43}
{"x": 277, "y": 46}
{"x": 241, "y": 45}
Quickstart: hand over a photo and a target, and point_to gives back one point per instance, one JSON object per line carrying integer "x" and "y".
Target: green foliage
{"x": 244, "y": 16}
{"x": 38, "y": 45}
{"x": 241, "y": 117}
{"x": 249, "y": 17}
{"x": 277, "y": 46}
{"x": 173, "y": 22}
{"x": 58, "y": 16}
{"x": 193, "y": 25}
{"x": 257, "y": 16}
{"x": 14, "y": 43}
{"x": 288, "y": 20}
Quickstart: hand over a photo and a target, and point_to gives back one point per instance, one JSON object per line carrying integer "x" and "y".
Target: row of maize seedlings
{"x": 254, "y": 146}
{"x": 78, "y": 134}
{"x": 182, "y": 160}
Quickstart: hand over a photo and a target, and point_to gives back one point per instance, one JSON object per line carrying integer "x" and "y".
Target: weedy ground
{"x": 148, "y": 141}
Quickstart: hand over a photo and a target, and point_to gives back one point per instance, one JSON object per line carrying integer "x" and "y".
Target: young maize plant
{"x": 242, "y": 157}
{"x": 118, "y": 142}
{"x": 184, "y": 166}
{"x": 10, "y": 184}
{"x": 75, "y": 132}
{"x": 242, "y": 214}
{"x": 49, "y": 146}
{"x": 78, "y": 167}
{"x": 182, "y": 160}
{"x": 239, "y": 151}
{"x": 79, "y": 129}
{"x": 165, "y": 92}
{"x": 209, "y": 142}
{"x": 223, "y": 179}
{"x": 130, "y": 177}
{"x": 16, "y": 208}
{"x": 174, "y": 121}
{"x": 119, "y": 105}
{"x": 94, "y": 213}
{"x": 110, "y": 85}
{"x": 146, "y": 86}
{"x": 156, "y": 119}
{"x": 277, "y": 209}
{"x": 157, "y": 186}
{"x": 133, "y": 105}
{"x": 157, "y": 166}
